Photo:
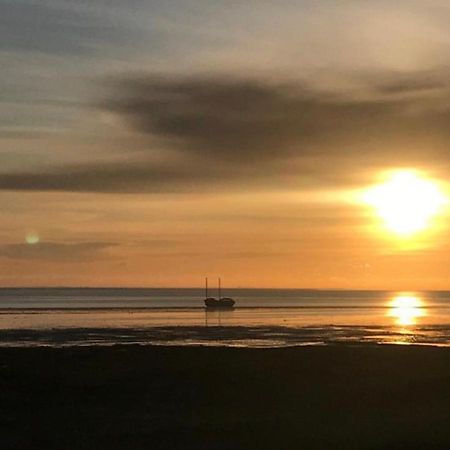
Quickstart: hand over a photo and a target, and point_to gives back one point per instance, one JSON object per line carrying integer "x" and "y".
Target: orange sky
{"x": 157, "y": 143}
{"x": 251, "y": 240}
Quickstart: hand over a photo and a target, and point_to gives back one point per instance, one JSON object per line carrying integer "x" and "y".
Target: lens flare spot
{"x": 32, "y": 238}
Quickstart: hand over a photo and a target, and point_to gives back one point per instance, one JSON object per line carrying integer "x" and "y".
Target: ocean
{"x": 261, "y": 318}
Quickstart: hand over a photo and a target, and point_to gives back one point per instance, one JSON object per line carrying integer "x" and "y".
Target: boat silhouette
{"x": 217, "y": 303}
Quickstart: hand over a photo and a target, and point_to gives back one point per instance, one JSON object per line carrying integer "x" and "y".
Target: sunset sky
{"x": 153, "y": 143}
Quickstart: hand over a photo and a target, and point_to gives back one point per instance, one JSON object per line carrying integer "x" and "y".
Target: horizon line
{"x": 233, "y": 287}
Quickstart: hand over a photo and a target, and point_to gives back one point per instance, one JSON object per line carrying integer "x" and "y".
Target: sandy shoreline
{"x": 344, "y": 397}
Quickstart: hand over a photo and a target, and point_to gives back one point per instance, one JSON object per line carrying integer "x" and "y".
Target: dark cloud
{"x": 249, "y": 120}
{"x": 117, "y": 177}
{"x": 54, "y": 251}
{"x": 246, "y": 132}
{"x": 412, "y": 84}
{"x": 236, "y": 119}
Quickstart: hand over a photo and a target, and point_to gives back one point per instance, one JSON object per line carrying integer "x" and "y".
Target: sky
{"x": 153, "y": 143}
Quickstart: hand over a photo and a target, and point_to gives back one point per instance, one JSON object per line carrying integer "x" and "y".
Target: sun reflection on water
{"x": 406, "y": 309}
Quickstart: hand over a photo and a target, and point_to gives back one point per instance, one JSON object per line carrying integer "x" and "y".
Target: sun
{"x": 406, "y": 202}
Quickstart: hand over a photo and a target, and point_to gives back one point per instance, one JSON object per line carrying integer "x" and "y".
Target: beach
{"x": 162, "y": 397}
{"x": 262, "y": 317}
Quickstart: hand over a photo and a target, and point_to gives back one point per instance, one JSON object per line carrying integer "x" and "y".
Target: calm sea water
{"x": 262, "y": 317}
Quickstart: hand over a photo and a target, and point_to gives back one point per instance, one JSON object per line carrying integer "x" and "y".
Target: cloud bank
{"x": 246, "y": 132}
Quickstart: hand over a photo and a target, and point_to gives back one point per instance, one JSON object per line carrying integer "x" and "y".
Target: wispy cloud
{"x": 55, "y": 251}
{"x": 63, "y": 27}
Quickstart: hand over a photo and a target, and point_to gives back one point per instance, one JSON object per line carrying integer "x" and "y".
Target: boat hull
{"x": 223, "y": 303}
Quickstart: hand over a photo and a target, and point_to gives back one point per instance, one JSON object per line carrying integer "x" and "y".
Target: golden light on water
{"x": 406, "y": 202}
{"x": 406, "y": 309}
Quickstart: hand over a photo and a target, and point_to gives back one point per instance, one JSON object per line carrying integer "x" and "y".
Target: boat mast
{"x": 219, "y": 288}
{"x": 206, "y": 287}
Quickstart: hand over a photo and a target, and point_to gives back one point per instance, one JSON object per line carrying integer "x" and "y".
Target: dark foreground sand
{"x": 130, "y": 397}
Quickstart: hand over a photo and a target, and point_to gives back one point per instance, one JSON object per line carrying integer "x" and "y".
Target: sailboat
{"x": 217, "y": 303}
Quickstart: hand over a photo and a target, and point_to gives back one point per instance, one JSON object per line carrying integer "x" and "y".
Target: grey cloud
{"x": 61, "y": 27}
{"x": 418, "y": 83}
{"x": 248, "y": 120}
{"x": 54, "y": 251}
{"x": 246, "y": 133}
{"x": 32, "y": 26}
{"x": 136, "y": 177}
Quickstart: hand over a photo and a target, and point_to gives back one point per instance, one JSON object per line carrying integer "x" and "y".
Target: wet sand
{"x": 134, "y": 397}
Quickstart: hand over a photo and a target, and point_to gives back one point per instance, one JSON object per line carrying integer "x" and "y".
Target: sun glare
{"x": 406, "y": 309}
{"x": 406, "y": 202}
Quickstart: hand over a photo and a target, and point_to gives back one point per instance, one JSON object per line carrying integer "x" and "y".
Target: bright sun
{"x": 406, "y": 201}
